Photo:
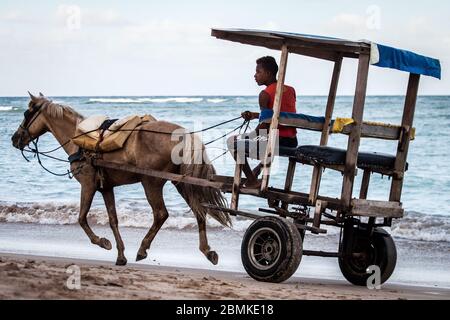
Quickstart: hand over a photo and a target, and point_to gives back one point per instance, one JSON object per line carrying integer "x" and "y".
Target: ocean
{"x": 30, "y": 195}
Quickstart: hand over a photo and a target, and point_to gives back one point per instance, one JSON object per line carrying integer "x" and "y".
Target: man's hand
{"x": 247, "y": 115}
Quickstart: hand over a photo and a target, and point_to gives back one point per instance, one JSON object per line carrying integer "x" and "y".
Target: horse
{"x": 149, "y": 146}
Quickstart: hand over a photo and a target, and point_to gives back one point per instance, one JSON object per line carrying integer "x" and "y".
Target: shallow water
{"x": 52, "y": 200}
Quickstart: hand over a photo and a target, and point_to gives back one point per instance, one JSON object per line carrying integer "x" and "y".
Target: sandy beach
{"x": 34, "y": 262}
{"x": 35, "y": 277}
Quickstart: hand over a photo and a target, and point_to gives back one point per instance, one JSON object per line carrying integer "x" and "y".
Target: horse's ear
{"x": 41, "y": 95}
{"x": 31, "y": 96}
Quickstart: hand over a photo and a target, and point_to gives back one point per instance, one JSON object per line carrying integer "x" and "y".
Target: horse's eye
{"x": 26, "y": 114}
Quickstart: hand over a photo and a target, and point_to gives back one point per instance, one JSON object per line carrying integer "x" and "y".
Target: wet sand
{"x": 39, "y": 277}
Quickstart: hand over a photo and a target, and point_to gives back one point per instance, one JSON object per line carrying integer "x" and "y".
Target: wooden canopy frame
{"x": 334, "y": 50}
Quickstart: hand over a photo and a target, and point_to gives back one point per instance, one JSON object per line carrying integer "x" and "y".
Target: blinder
{"x": 28, "y": 116}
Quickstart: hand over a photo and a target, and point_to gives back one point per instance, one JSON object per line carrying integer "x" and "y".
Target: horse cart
{"x": 272, "y": 246}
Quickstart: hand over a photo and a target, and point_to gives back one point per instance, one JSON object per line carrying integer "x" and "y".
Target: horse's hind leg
{"x": 204, "y": 247}
{"x": 87, "y": 194}
{"x": 153, "y": 191}
{"x": 201, "y": 222}
{"x": 110, "y": 203}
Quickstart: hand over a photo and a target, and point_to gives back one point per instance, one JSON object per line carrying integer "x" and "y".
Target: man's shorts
{"x": 254, "y": 146}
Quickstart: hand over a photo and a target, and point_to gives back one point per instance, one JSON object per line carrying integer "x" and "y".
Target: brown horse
{"x": 151, "y": 149}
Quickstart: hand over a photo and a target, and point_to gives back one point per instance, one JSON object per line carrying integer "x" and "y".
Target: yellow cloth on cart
{"x": 340, "y": 123}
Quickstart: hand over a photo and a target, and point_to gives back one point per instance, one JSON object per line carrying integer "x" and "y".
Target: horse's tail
{"x": 196, "y": 164}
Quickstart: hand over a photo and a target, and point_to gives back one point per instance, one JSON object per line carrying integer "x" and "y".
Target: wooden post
{"x": 289, "y": 180}
{"x": 236, "y": 185}
{"x": 403, "y": 144}
{"x": 365, "y": 185}
{"x": 355, "y": 135}
{"x": 317, "y": 172}
{"x": 273, "y": 131}
{"x": 319, "y": 208}
{"x": 317, "y": 214}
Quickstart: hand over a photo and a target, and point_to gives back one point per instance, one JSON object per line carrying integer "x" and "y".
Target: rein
{"x": 69, "y": 173}
{"x": 34, "y": 113}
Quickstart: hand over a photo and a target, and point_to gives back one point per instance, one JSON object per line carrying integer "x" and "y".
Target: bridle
{"x": 29, "y": 117}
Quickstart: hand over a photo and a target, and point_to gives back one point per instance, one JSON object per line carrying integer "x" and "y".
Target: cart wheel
{"x": 366, "y": 251}
{"x": 271, "y": 249}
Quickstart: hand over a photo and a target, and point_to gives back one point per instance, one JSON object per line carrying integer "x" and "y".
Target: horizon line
{"x": 225, "y": 95}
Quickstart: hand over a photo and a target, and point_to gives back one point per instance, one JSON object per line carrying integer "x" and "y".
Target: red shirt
{"x": 287, "y": 105}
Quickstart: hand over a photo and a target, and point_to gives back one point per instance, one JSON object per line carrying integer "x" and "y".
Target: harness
{"x": 31, "y": 115}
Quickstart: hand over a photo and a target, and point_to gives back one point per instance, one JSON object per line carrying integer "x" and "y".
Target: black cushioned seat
{"x": 372, "y": 161}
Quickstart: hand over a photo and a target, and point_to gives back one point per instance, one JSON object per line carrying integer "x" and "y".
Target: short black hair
{"x": 269, "y": 64}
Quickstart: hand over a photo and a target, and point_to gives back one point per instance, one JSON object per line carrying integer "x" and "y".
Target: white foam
{"x": 414, "y": 226}
{"x": 65, "y": 214}
{"x": 113, "y": 100}
{"x": 216, "y": 100}
{"x": 178, "y": 100}
{"x": 418, "y": 226}
{"x": 7, "y": 108}
{"x": 146, "y": 100}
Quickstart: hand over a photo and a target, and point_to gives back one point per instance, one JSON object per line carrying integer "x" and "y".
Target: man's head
{"x": 266, "y": 70}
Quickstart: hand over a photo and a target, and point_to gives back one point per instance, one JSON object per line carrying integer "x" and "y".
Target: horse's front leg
{"x": 110, "y": 203}
{"x": 154, "y": 194}
{"x": 87, "y": 194}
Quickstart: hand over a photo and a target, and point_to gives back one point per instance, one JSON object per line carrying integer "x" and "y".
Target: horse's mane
{"x": 56, "y": 110}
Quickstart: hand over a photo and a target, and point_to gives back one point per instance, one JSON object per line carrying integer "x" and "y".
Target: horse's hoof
{"x": 140, "y": 257}
{"x": 121, "y": 261}
{"x": 105, "y": 244}
{"x": 213, "y": 257}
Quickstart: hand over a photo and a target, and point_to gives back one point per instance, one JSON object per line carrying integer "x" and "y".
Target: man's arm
{"x": 264, "y": 100}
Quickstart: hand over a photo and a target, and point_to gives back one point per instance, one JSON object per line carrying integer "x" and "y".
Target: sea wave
{"x": 414, "y": 226}
{"x": 216, "y": 100}
{"x": 419, "y": 226}
{"x": 64, "y": 214}
{"x": 7, "y": 108}
{"x": 145, "y": 100}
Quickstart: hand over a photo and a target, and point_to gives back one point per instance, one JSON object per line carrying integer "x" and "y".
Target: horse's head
{"x": 33, "y": 125}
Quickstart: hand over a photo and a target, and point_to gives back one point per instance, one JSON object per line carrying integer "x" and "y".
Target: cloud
{"x": 271, "y": 25}
{"x": 165, "y": 32}
{"x": 89, "y": 17}
{"x": 446, "y": 41}
{"x": 348, "y": 20}
{"x": 16, "y": 16}
{"x": 12, "y": 16}
{"x": 350, "y": 25}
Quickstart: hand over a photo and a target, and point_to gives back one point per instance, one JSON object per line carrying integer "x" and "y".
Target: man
{"x": 266, "y": 75}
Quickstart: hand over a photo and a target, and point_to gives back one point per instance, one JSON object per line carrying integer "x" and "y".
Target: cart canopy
{"x": 329, "y": 48}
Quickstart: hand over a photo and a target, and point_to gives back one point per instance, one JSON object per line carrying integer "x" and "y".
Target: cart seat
{"x": 329, "y": 156}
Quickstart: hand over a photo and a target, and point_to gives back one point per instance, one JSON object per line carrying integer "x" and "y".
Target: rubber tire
{"x": 290, "y": 247}
{"x": 385, "y": 256}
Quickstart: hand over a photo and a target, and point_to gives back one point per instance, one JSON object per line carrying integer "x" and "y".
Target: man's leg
{"x": 232, "y": 146}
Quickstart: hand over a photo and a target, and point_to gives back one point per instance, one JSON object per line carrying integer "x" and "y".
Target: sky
{"x": 148, "y": 48}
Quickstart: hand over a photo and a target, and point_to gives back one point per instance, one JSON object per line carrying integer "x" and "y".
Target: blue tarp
{"x": 268, "y": 113}
{"x": 408, "y": 61}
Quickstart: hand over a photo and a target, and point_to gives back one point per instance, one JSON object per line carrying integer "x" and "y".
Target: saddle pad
{"x": 117, "y": 125}
{"x": 114, "y": 137}
{"x": 90, "y": 126}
